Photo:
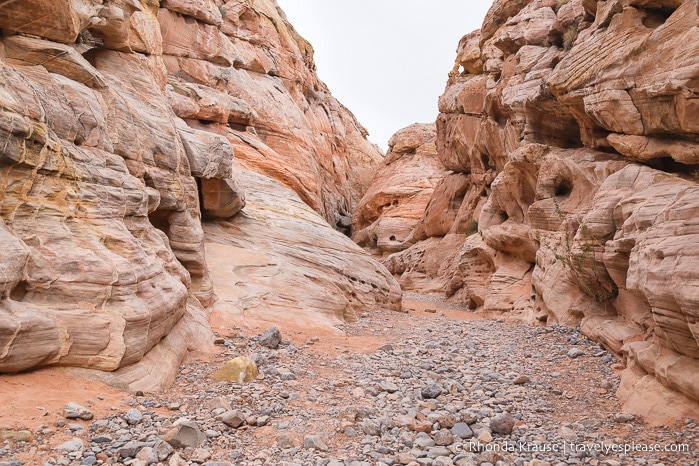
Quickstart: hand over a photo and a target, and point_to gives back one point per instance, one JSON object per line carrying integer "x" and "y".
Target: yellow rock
{"x": 240, "y": 369}
{"x": 17, "y": 435}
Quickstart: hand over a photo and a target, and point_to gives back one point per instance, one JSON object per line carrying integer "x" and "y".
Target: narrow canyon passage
{"x": 177, "y": 178}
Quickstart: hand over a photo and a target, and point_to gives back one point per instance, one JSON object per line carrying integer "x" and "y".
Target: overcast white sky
{"x": 385, "y": 60}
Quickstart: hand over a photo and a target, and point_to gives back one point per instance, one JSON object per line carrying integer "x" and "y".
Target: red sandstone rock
{"x": 574, "y": 127}
{"x": 119, "y": 121}
{"x": 400, "y": 191}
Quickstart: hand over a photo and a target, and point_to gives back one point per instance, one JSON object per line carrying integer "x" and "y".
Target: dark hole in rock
{"x": 564, "y": 189}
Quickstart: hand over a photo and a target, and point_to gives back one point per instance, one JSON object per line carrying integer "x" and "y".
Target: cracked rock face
{"x": 119, "y": 121}
{"x": 574, "y": 125}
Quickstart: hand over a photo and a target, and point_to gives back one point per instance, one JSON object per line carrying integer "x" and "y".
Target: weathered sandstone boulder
{"x": 400, "y": 191}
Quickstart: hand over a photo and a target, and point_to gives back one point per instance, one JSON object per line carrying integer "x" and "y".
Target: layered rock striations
{"x": 118, "y": 124}
{"x": 574, "y": 127}
{"x": 242, "y": 71}
{"x": 400, "y": 190}
{"x": 289, "y": 263}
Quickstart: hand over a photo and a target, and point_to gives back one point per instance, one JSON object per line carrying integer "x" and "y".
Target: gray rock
{"x": 71, "y": 445}
{"x": 271, "y": 338}
{"x": 575, "y": 353}
{"x": 388, "y": 387}
{"x": 86, "y": 461}
{"x": 163, "y": 449}
{"x": 131, "y": 449}
{"x": 423, "y": 442}
{"x": 133, "y": 416}
{"x": 177, "y": 460}
{"x": 567, "y": 433}
{"x": 404, "y": 458}
{"x": 233, "y": 418}
{"x": 259, "y": 359}
{"x": 432, "y": 391}
{"x": 469, "y": 416}
{"x": 286, "y": 375}
{"x": 284, "y": 441}
{"x": 370, "y": 428}
{"x": 315, "y": 441}
{"x": 461, "y": 430}
{"x": 443, "y": 437}
{"x": 148, "y": 455}
{"x": 624, "y": 417}
{"x": 185, "y": 434}
{"x": 447, "y": 420}
{"x": 442, "y": 461}
{"x": 76, "y": 411}
{"x": 434, "y": 452}
{"x": 502, "y": 423}
{"x": 200, "y": 455}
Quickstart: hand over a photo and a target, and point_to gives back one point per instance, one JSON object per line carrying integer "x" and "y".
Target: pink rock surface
{"x": 289, "y": 262}
{"x": 119, "y": 121}
{"x": 400, "y": 191}
{"x": 574, "y": 128}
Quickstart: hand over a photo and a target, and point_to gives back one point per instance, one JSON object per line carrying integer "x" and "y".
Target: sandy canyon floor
{"x": 433, "y": 385}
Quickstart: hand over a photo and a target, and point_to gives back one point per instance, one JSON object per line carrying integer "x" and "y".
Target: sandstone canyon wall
{"x": 119, "y": 120}
{"x": 570, "y": 132}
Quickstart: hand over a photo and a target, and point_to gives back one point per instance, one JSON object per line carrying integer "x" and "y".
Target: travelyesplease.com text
{"x": 570, "y": 447}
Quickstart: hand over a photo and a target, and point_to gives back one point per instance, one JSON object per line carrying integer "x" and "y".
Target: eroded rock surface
{"x": 573, "y": 128}
{"x": 118, "y": 125}
{"x": 246, "y": 74}
{"x": 288, "y": 261}
{"x": 90, "y": 277}
{"x": 402, "y": 187}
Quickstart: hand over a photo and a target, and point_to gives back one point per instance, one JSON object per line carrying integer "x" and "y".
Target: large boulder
{"x": 400, "y": 191}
